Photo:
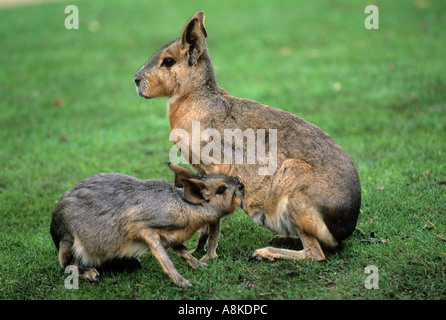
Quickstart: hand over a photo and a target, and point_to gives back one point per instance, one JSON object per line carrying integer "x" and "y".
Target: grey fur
{"x": 111, "y": 215}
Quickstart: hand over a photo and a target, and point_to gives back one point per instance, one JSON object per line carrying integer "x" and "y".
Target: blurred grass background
{"x": 69, "y": 109}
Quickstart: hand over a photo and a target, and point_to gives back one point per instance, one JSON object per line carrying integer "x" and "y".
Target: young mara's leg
{"x": 214, "y": 236}
{"x": 182, "y": 252}
{"x": 66, "y": 258}
{"x": 90, "y": 274}
{"x": 211, "y": 232}
{"x": 155, "y": 245}
{"x": 204, "y": 235}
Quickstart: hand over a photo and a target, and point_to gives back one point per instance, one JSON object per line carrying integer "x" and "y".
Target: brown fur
{"x": 315, "y": 192}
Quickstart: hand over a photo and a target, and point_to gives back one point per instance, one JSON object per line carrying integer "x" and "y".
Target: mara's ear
{"x": 195, "y": 191}
{"x": 193, "y": 38}
{"x": 180, "y": 173}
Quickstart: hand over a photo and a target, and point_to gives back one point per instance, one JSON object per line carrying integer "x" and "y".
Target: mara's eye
{"x": 221, "y": 190}
{"x": 168, "y": 62}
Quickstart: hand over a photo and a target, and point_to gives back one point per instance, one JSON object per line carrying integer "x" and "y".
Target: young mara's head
{"x": 223, "y": 193}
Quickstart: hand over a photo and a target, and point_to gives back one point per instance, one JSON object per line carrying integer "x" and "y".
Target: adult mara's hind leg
{"x": 311, "y": 229}
{"x": 311, "y": 251}
{"x": 290, "y": 242}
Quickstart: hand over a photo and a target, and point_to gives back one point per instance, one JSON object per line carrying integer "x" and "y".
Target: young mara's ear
{"x": 180, "y": 173}
{"x": 193, "y": 38}
{"x": 195, "y": 191}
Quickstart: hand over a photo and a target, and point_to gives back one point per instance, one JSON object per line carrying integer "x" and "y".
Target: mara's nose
{"x": 137, "y": 81}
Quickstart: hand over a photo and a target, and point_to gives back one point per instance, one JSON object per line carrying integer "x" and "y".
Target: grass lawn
{"x": 69, "y": 109}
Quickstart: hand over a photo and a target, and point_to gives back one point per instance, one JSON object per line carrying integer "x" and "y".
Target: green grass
{"x": 69, "y": 109}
